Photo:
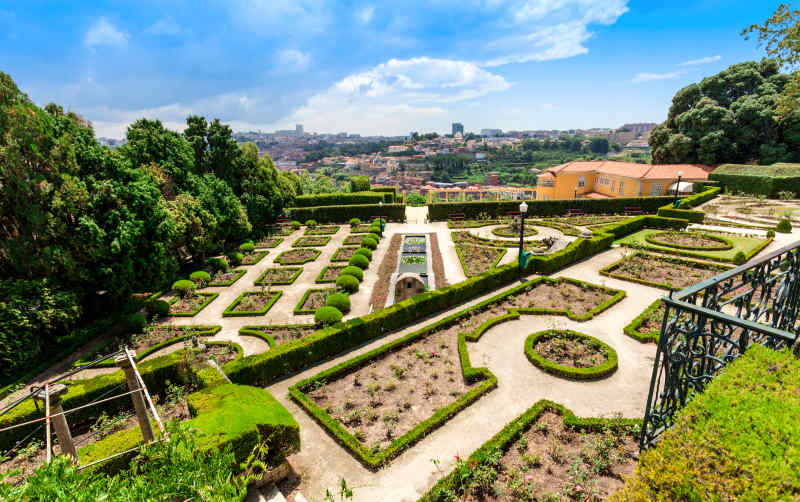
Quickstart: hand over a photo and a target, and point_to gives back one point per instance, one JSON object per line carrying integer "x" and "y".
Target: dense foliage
{"x": 729, "y": 117}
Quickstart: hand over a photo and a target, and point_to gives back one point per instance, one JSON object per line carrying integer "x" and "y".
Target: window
{"x": 621, "y": 184}
{"x": 613, "y": 185}
{"x": 581, "y": 181}
{"x": 655, "y": 189}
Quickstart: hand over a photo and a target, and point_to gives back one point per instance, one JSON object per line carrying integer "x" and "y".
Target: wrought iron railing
{"x": 708, "y": 325}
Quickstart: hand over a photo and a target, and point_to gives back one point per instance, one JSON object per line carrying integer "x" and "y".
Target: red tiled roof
{"x": 633, "y": 170}
{"x": 595, "y": 195}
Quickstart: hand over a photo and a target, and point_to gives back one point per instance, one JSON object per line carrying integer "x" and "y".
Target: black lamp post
{"x": 523, "y": 208}
{"x": 380, "y": 205}
{"x": 677, "y": 187}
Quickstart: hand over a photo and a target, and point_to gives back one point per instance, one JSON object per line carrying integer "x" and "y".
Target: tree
{"x": 599, "y": 145}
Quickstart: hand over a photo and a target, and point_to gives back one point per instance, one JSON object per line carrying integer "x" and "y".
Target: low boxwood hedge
{"x": 239, "y": 274}
{"x": 321, "y": 276}
{"x": 548, "y": 366}
{"x": 501, "y": 252}
{"x": 476, "y": 210}
{"x": 309, "y": 241}
{"x": 608, "y": 270}
{"x": 354, "y": 271}
{"x": 724, "y": 245}
{"x": 359, "y": 260}
{"x": 632, "y": 329}
{"x": 263, "y": 331}
{"x": 327, "y": 315}
{"x": 282, "y": 259}
{"x": 231, "y": 312}
{"x": 684, "y": 211}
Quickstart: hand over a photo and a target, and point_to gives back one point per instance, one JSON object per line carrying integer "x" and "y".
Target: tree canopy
{"x": 729, "y": 117}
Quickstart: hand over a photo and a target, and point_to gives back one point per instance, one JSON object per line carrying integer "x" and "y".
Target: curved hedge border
{"x": 321, "y": 230}
{"x": 528, "y": 232}
{"x": 608, "y": 270}
{"x": 239, "y": 274}
{"x": 320, "y": 280}
{"x": 548, "y": 366}
{"x": 259, "y": 255}
{"x": 726, "y": 243}
{"x": 483, "y": 241}
{"x": 230, "y": 312}
{"x": 279, "y": 258}
{"x": 502, "y": 253}
{"x": 504, "y": 439}
{"x": 472, "y": 224}
{"x": 301, "y": 242}
{"x": 299, "y": 310}
{"x": 262, "y": 331}
{"x": 335, "y": 256}
{"x": 632, "y": 329}
{"x": 209, "y": 298}
{"x": 297, "y": 272}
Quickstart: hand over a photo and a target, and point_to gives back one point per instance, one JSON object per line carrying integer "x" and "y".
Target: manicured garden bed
{"x": 278, "y": 334}
{"x": 252, "y": 303}
{"x": 647, "y": 325}
{"x": 322, "y": 230}
{"x": 344, "y": 253}
{"x": 279, "y": 276}
{"x": 470, "y": 238}
{"x": 354, "y": 240}
{"x": 478, "y": 259}
{"x": 330, "y": 273}
{"x": 268, "y": 242}
{"x": 363, "y": 228}
{"x": 546, "y": 454}
{"x": 570, "y": 354}
{"x": 312, "y": 241}
{"x": 188, "y": 306}
{"x": 471, "y": 223}
{"x": 253, "y": 258}
{"x": 312, "y": 300}
{"x": 661, "y": 271}
{"x": 747, "y": 245}
{"x": 689, "y": 240}
{"x": 297, "y": 256}
{"x": 509, "y": 231}
{"x": 222, "y": 278}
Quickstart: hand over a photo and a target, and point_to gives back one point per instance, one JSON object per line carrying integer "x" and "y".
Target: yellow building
{"x": 601, "y": 179}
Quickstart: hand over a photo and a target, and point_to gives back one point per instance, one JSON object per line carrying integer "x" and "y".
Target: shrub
{"x": 341, "y": 213}
{"x": 359, "y": 260}
{"x": 247, "y": 247}
{"x": 134, "y": 323}
{"x": 341, "y": 199}
{"x": 359, "y": 184}
{"x": 369, "y": 243}
{"x": 220, "y": 264}
{"x": 354, "y": 271}
{"x": 784, "y": 226}
{"x": 373, "y": 236}
{"x": 347, "y": 282}
{"x": 158, "y": 308}
{"x": 184, "y": 287}
{"x": 311, "y": 223}
{"x": 327, "y": 315}
{"x": 200, "y": 277}
{"x": 354, "y": 222}
{"x": 296, "y": 225}
{"x": 340, "y": 301}
{"x": 770, "y": 234}
{"x": 236, "y": 258}
{"x": 364, "y": 251}
{"x": 739, "y": 258}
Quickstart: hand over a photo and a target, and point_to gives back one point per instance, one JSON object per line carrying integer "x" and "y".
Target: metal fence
{"x": 708, "y": 325}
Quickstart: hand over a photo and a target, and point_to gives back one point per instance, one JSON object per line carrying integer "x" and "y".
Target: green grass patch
{"x": 748, "y": 245}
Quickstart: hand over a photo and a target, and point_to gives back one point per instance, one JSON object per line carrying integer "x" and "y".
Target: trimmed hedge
{"x": 310, "y": 241}
{"x": 501, "y": 252}
{"x": 321, "y": 276}
{"x": 299, "y": 310}
{"x": 327, "y": 315}
{"x": 347, "y": 282}
{"x": 200, "y": 277}
{"x": 548, "y": 366}
{"x": 684, "y": 212}
{"x": 497, "y": 209}
{"x": 354, "y": 271}
{"x": 359, "y": 183}
{"x": 262, "y": 331}
{"x": 359, "y": 260}
{"x": 230, "y": 312}
{"x": 632, "y": 329}
{"x": 385, "y": 189}
{"x": 365, "y": 251}
{"x": 339, "y": 301}
{"x": 341, "y": 214}
{"x": 369, "y": 243}
{"x": 763, "y": 180}
{"x": 784, "y": 226}
{"x": 184, "y": 286}
{"x": 504, "y": 439}
{"x": 342, "y": 199}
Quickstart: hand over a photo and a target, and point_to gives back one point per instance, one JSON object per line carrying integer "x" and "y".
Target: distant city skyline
{"x": 372, "y": 68}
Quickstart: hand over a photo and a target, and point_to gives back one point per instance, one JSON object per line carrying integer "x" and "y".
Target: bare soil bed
{"x": 551, "y": 462}
{"x": 283, "y": 275}
{"x": 268, "y": 242}
{"x": 153, "y": 335}
{"x": 221, "y": 353}
{"x": 353, "y": 240}
{"x": 344, "y": 253}
{"x": 322, "y": 230}
{"x": 360, "y": 229}
{"x": 572, "y": 352}
{"x": 470, "y": 238}
{"x": 438, "y": 263}
{"x": 386, "y": 399}
{"x": 478, "y": 259}
{"x": 389, "y": 264}
{"x": 297, "y": 256}
{"x": 187, "y": 304}
{"x": 509, "y": 231}
{"x": 253, "y": 258}
{"x": 316, "y": 299}
{"x": 652, "y": 323}
{"x": 225, "y": 277}
{"x": 285, "y": 333}
{"x": 661, "y": 271}
{"x": 471, "y": 223}
{"x": 331, "y": 273}
{"x": 688, "y": 240}
{"x": 313, "y": 241}
{"x": 254, "y": 301}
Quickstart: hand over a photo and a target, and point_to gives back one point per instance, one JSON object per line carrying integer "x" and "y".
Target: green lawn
{"x": 749, "y": 245}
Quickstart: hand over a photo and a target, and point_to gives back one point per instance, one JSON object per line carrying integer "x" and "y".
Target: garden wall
{"x": 759, "y": 180}
{"x": 343, "y": 214}
{"x": 343, "y": 199}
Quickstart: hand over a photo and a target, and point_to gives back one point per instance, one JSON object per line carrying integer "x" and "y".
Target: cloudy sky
{"x": 371, "y": 67}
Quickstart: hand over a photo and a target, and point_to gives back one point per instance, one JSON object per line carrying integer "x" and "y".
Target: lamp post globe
{"x": 523, "y": 208}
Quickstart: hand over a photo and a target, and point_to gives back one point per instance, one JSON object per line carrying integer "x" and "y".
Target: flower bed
{"x": 647, "y": 326}
{"x": 478, "y": 259}
{"x": 689, "y": 240}
{"x": 313, "y": 241}
{"x": 188, "y": 306}
{"x": 253, "y": 258}
{"x": 297, "y": 256}
{"x": 252, "y": 303}
{"x": 279, "y": 275}
{"x": 469, "y": 238}
{"x": 471, "y": 223}
{"x": 322, "y": 230}
{"x": 570, "y": 354}
{"x": 226, "y": 278}
{"x": 661, "y": 271}
{"x": 278, "y": 334}
{"x": 546, "y": 454}
{"x": 330, "y": 273}
{"x": 363, "y": 228}
{"x": 268, "y": 242}
{"x": 344, "y": 253}
{"x": 747, "y": 245}
{"x": 509, "y": 231}
{"x": 353, "y": 240}
{"x": 312, "y": 300}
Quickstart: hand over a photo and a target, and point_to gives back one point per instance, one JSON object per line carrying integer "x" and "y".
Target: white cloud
{"x": 364, "y": 15}
{"x": 648, "y": 77}
{"x": 284, "y": 16}
{"x": 165, "y": 26}
{"x": 103, "y": 32}
{"x": 554, "y": 42}
{"x": 705, "y": 60}
{"x": 293, "y": 60}
{"x": 396, "y": 96}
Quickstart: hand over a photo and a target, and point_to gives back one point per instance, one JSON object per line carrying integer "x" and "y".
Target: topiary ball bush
{"x": 359, "y": 260}
{"x": 784, "y": 226}
{"x": 247, "y": 247}
{"x": 296, "y": 224}
{"x": 347, "y": 283}
{"x": 770, "y": 234}
{"x": 739, "y": 258}
{"x": 364, "y": 251}
{"x": 236, "y": 258}
{"x": 340, "y": 301}
{"x": 134, "y": 323}
{"x": 184, "y": 287}
{"x": 220, "y": 264}
{"x": 311, "y": 223}
{"x": 369, "y": 243}
{"x": 376, "y": 237}
{"x": 327, "y": 315}
{"x": 354, "y": 222}
{"x": 158, "y": 308}
{"x": 354, "y": 271}
{"x": 200, "y": 277}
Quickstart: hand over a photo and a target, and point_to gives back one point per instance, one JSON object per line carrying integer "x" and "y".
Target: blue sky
{"x": 370, "y": 67}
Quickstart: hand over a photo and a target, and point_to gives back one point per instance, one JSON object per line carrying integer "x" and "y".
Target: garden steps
{"x": 269, "y": 493}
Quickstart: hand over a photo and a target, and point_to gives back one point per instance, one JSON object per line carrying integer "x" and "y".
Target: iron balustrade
{"x": 709, "y": 324}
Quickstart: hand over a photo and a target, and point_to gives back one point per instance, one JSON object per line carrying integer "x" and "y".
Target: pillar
{"x": 138, "y": 397}
{"x": 59, "y": 421}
